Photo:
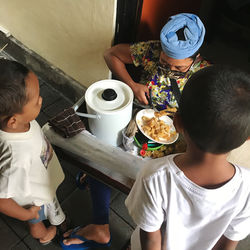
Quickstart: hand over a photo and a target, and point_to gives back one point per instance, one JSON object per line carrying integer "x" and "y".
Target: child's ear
{"x": 178, "y": 123}
{"x": 12, "y": 122}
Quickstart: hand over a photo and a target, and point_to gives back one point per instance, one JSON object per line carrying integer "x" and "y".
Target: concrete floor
{"x": 77, "y": 204}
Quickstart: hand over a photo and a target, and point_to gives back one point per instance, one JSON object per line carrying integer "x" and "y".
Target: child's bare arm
{"x": 225, "y": 244}
{"x": 11, "y": 208}
{"x": 150, "y": 241}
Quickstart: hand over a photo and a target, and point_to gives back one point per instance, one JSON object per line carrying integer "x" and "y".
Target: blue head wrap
{"x": 194, "y": 32}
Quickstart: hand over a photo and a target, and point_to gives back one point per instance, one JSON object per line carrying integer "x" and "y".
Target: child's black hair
{"x": 12, "y": 89}
{"x": 215, "y": 108}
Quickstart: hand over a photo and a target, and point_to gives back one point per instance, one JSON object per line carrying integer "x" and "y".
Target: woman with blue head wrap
{"x": 176, "y": 56}
{"x": 185, "y": 45}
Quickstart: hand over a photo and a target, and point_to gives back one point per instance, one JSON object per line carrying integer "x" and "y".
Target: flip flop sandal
{"x": 81, "y": 183}
{"x": 87, "y": 244}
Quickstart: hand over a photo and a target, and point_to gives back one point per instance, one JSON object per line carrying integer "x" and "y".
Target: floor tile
{"x": 66, "y": 187}
{"x": 41, "y": 82}
{"x": 20, "y": 246}
{"x": 118, "y": 205}
{"x": 42, "y": 118}
{"x": 244, "y": 244}
{"x": 72, "y": 169}
{"x": 78, "y": 207}
{"x": 20, "y": 228}
{"x": 49, "y": 96}
{"x": 35, "y": 245}
{"x": 7, "y": 237}
{"x": 114, "y": 193}
{"x": 56, "y": 107}
{"x": 120, "y": 231}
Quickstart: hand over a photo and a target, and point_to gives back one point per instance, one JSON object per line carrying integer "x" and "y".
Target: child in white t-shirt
{"x": 29, "y": 169}
{"x": 198, "y": 200}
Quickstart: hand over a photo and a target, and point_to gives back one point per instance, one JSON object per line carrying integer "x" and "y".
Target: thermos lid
{"x": 107, "y": 96}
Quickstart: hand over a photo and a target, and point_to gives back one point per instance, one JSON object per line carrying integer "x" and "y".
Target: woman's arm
{"x": 11, "y": 208}
{"x": 116, "y": 57}
{"x": 150, "y": 241}
{"x": 225, "y": 244}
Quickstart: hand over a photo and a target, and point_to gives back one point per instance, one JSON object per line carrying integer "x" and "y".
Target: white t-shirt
{"x": 29, "y": 169}
{"x": 190, "y": 217}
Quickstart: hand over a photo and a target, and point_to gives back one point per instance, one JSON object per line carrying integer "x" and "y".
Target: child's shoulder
{"x": 23, "y": 142}
{"x": 34, "y": 127}
{"x": 242, "y": 179}
{"x": 245, "y": 173}
{"x": 155, "y": 167}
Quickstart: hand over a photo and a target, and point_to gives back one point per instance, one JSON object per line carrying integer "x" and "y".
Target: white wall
{"x": 70, "y": 34}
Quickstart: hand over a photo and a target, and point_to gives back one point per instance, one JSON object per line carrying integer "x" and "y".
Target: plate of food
{"x": 156, "y": 126}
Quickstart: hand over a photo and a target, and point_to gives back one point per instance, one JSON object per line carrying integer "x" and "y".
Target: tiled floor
{"x": 14, "y": 234}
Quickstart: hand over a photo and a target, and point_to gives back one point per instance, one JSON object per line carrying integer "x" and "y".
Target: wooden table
{"x": 109, "y": 164}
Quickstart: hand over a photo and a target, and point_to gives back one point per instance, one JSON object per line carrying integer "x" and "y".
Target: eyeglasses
{"x": 174, "y": 74}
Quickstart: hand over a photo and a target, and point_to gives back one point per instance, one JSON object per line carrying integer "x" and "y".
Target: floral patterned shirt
{"x": 147, "y": 55}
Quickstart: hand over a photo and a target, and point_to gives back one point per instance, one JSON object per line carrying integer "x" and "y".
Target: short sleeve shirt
{"x": 190, "y": 217}
{"x": 29, "y": 169}
{"x": 147, "y": 55}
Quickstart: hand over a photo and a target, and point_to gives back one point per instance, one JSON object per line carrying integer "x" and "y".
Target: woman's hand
{"x": 33, "y": 210}
{"x": 116, "y": 57}
{"x": 140, "y": 92}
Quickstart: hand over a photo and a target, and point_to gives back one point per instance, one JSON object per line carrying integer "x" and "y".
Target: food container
{"x": 111, "y": 102}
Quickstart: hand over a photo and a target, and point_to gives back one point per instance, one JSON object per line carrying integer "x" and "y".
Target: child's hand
{"x": 34, "y": 212}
